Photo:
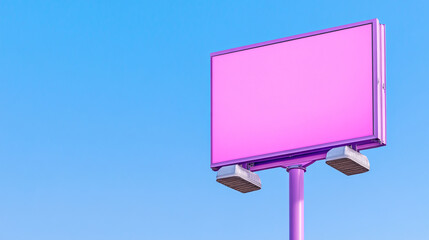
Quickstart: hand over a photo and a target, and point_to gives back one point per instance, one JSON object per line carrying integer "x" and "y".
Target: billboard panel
{"x": 290, "y": 100}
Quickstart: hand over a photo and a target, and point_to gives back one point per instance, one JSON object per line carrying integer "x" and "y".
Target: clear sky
{"x": 105, "y": 118}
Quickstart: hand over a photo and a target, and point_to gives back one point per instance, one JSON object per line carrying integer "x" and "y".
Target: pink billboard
{"x": 291, "y": 100}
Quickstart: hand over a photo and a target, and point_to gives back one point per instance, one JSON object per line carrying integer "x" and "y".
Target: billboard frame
{"x": 309, "y": 154}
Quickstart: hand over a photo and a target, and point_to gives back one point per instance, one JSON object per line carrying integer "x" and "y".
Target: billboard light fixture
{"x": 347, "y": 160}
{"x": 238, "y": 178}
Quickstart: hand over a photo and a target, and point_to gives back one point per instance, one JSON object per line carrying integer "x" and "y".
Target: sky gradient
{"x": 105, "y": 124}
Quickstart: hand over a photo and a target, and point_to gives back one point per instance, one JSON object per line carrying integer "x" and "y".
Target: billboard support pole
{"x": 296, "y": 202}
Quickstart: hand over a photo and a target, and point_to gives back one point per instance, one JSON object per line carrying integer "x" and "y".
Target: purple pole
{"x": 296, "y": 202}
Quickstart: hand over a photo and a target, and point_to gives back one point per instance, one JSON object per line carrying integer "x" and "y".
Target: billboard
{"x": 290, "y": 100}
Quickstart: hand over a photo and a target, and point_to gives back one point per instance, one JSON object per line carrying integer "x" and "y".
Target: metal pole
{"x": 296, "y": 202}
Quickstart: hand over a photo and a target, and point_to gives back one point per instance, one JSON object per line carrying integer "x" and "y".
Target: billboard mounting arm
{"x": 296, "y": 202}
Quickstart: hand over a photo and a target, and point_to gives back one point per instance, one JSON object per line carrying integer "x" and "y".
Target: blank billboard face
{"x": 297, "y": 94}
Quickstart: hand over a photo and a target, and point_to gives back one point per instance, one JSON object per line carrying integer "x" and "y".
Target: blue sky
{"x": 104, "y": 127}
